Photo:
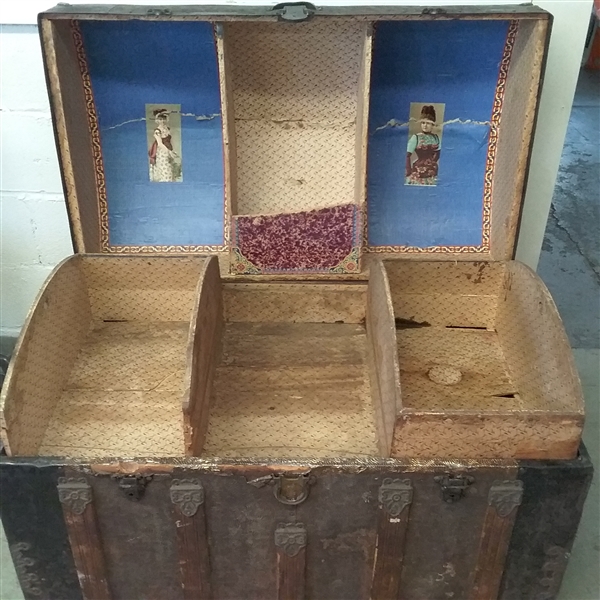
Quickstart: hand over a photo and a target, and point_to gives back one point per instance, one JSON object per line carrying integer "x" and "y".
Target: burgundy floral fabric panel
{"x": 317, "y": 241}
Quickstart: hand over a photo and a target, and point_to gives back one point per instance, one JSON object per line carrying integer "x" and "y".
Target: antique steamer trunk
{"x": 292, "y": 357}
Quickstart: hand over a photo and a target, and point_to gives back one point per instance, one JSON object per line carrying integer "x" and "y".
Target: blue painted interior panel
{"x": 134, "y": 63}
{"x": 452, "y": 62}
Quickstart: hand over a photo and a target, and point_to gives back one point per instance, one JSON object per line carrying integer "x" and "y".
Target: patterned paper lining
{"x": 489, "y": 169}
{"x": 317, "y": 241}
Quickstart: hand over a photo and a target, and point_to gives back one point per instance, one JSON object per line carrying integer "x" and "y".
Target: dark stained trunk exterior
{"x": 554, "y": 493}
{"x": 36, "y": 532}
{"x": 382, "y": 529}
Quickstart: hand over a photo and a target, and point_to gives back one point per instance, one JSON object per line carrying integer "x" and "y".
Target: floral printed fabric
{"x": 314, "y": 241}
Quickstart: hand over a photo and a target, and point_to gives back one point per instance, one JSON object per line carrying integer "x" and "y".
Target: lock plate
{"x": 453, "y": 486}
{"x": 133, "y": 486}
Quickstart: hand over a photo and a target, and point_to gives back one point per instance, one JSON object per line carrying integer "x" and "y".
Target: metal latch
{"x": 159, "y": 12}
{"x": 289, "y": 489}
{"x": 133, "y": 486}
{"x": 453, "y": 486}
{"x": 295, "y": 11}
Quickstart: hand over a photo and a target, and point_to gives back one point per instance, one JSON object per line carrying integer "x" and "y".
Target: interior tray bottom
{"x": 123, "y": 397}
{"x": 485, "y": 382}
{"x": 292, "y": 390}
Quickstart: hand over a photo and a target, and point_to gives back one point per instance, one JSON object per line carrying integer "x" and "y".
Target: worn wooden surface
{"x": 291, "y": 566}
{"x": 382, "y": 356}
{"x": 474, "y": 353}
{"x": 535, "y": 345}
{"x": 123, "y": 396}
{"x": 86, "y": 542}
{"x": 228, "y": 123}
{"x": 493, "y": 548}
{"x": 142, "y": 288}
{"x": 67, "y": 99}
{"x": 193, "y": 548}
{"x": 292, "y": 389}
{"x": 491, "y": 434}
{"x": 295, "y": 303}
{"x": 515, "y": 393}
{"x": 391, "y": 545}
{"x": 203, "y": 354}
{"x": 362, "y": 117}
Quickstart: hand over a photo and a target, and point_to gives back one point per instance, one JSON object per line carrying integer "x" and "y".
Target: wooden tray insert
{"x": 101, "y": 369}
{"x": 486, "y": 369}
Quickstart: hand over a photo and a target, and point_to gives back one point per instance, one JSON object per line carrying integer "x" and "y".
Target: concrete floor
{"x": 570, "y": 266}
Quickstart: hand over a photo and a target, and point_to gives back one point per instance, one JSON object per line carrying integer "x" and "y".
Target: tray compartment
{"x": 101, "y": 367}
{"x": 295, "y": 374}
{"x": 485, "y": 365}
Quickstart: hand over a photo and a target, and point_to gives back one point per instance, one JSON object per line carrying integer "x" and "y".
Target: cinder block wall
{"x": 34, "y": 233}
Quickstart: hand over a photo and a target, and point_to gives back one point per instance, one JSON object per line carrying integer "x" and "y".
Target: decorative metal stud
{"x": 290, "y": 537}
{"x": 75, "y": 493}
{"x": 395, "y": 495}
{"x": 187, "y": 495}
{"x": 505, "y": 496}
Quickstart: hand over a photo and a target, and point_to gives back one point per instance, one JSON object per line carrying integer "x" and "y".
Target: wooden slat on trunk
{"x": 188, "y": 497}
{"x": 395, "y": 498}
{"x": 504, "y": 498}
{"x": 290, "y": 541}
{"x": 75, "y": 495}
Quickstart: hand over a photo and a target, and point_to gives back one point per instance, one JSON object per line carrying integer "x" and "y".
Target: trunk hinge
{"x": 294, "y": 11}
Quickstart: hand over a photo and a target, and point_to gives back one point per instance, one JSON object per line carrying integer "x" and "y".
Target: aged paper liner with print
{"x": 163, "y": 132}
{"x": 489, "y": 170}
{"x": 426, "y": 123}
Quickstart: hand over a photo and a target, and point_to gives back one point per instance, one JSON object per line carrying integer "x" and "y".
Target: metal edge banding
{"x": 504, "y": 498}
{"x": 189, "y": 518}
{"x": 395, "y": 498}
{"x": 290, "y": 543}
{"x": 75, "y": 495}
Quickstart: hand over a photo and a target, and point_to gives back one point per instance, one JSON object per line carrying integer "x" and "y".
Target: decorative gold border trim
{"x": 94, "y": 134}
{"x": 100, "y": 180}
{"x": 489, "y": 168}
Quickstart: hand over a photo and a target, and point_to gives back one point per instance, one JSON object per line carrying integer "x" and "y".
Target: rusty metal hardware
{"x": 289, "y": 489}
{"x": 434, "y": 11}
{"x": 453, "y": 486}
{"x": 291, "y": 538}
{"x": 505, "y": 496}
{"x": 293, "y": 490}
{"x": 294, "y": 11}
{"x": 395, "y": 495}
{"x": 187, "y": 495}
{"x": 75, "y": 493}
{"x": 133, "y": 486}
{"x": 159, "y": 12}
